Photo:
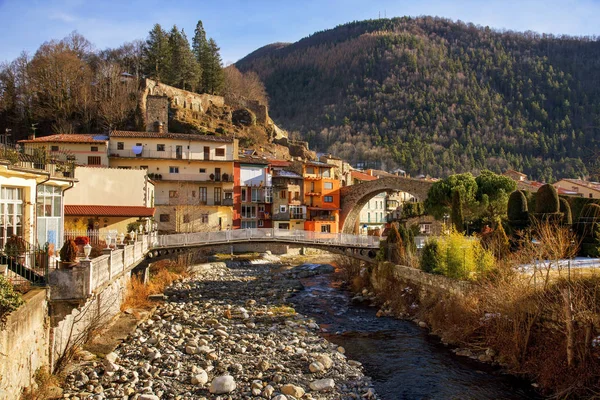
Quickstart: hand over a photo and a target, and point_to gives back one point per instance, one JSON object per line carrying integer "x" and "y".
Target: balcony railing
{"x": 191, "y": 177}
{"x": 169, "y": 154}
{"x": 37, "y": 159}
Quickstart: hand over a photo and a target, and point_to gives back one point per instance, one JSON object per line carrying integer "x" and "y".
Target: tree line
{"x": 68, "y": 87}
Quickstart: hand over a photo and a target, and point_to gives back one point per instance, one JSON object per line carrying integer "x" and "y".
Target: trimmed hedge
{"x": 547, "y": 200}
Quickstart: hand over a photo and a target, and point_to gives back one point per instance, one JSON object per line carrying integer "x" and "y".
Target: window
{"x": 328, "y": 185}
{"x": 202, "y": 194}
{"x": 173, "y": 194}
{"x": 186, "y": 218}
{"x": 248, "y": 211}
{"x": 282, "y": 209}
{"x": 94, "y": 148}
{"x": 94, "y": 160}
{"x": 217, "y": 196}
{"x": 297, "y": 196}
{"x": 54, "y": 148}
{"x": 328, "y": 199}
{"x": 244, "y": 194}
{"x": 165, "y": 217}
{"x": 248, "y": 224}
{"x": 296, "y": 212}
{"x": 425, "y": 228}
{"x": 220, "y": 152}
{"x": 120, "y": 145}
{"x": 255, "y": 195}
{"x": 326, "y": 228}
{"x": 261, "y": 223}
{"x": 283, "y": 194}
{"x": 174, "y": 170}
{"x": 49, "y": 209}
{"x": 285, "y": 225}
{"x": 310, "y": 170}
{"x": 590, "y": 195}
{"x": 160, "y": 147}
{"x": 217, "y": 174}
{"x": 204, "y": 218}
{"x": 261, "y": 208}
{"x": 228, "y": 195}
{"x": 193, "y": 193}
{"x": 202, "y": 170}
{"x": 327, "y": 173}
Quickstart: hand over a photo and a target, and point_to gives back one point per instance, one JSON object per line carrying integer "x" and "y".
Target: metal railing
{"x": 266, "y": 234}
{"x": 25, "y": 265}
{"x": 38, "y": 159}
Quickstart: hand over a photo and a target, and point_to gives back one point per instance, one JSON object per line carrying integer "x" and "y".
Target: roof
{"x": 318, "y": 164}
{"x": 580, "y": 182}
{"x": 68, "y": 138}
{"x": 279, "y": 163}
{"x": 361, "y": 176}
{"x": 109, "y": 211}
{"x": 285, "y": 174}
{"x": 178, "y": 136}
{"x": 512, "y": 171}
{"x": 379, "y": 173}
{"x": 333, "y": 208}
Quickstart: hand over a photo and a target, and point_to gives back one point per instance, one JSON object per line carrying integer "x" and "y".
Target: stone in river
{"x": 222, "y": 384}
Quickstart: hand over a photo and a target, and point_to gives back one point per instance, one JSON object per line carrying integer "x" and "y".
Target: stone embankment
{"x": 225, "y": 334}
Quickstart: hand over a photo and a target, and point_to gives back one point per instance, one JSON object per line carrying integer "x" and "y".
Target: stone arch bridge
{"x": 354, "y": 197}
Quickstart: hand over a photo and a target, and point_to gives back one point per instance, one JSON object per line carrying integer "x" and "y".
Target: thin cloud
{"x": 63, "y": 17}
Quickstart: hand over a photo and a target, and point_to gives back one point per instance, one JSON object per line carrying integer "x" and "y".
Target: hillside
{"x": 436, "y": 97}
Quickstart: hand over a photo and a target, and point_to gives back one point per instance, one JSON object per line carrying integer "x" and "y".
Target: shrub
{"x": 590, "y": 213}
{"x": 432, "y": 259}
{"x": 411, "y": 210}
{"x": 565, "y": 209}
{"x": 395, "y": 246}
{"x": 82, "y": 240}
{"x": 15, "y": 246}
{"x": 10, "y": 300}
{"x": 68, "y": 253}
{"x": 518, "y": 213}
{"x": 547, "y": 200}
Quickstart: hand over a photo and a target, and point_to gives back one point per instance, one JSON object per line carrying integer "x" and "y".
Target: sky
{"x": 242, "y": 26}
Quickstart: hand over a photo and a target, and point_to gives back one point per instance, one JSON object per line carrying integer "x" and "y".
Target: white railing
{"x": 266, "y": 234}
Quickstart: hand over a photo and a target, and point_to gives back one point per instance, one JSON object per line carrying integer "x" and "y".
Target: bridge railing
{"x": 284, "y": 235}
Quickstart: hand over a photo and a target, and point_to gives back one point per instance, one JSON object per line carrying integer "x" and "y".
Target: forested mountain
{"x": 434, "y": 96}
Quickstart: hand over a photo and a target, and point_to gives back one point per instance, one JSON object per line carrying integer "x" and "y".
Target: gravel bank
{"x": 225, "y": 334}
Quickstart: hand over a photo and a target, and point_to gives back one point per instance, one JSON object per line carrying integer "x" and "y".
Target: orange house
{"x": 321, "y": 197}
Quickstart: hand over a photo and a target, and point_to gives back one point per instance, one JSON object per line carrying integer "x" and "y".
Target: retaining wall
{"x": 24, "y": 344}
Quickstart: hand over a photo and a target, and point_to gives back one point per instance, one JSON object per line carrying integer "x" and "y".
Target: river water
{"x": 404, "y": 361}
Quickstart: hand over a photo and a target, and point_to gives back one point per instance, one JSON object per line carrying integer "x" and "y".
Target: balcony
{"x": 322, "y": 218}
{"x": 227, "y": 202}
{"x": 168, "y": 154}
{"x": 191, "y": 177}
{"x": 297, "y": 216}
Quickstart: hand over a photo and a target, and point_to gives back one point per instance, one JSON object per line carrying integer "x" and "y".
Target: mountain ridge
{"x": 435, "y": 96}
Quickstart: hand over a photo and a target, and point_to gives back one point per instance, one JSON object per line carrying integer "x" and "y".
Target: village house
{"x": 288, "y": 210}
{"x": 321, "y": 197}
{"x": 80, "y": 149}
{"x": 253, "y": 193}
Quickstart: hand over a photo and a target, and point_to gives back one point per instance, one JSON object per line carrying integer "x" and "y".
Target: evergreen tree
{"x": 457, "y": 211}
{"x": 156, "y": 55}
{"x": 212, "y": 69}
{"x": 199, "y": 42}
{"x": 184, "y": 71}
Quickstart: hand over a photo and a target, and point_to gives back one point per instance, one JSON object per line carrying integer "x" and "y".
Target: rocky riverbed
{"x": 227, "y": 333}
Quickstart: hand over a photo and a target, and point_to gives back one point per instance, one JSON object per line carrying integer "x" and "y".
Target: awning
{"x": 109, "y": 211}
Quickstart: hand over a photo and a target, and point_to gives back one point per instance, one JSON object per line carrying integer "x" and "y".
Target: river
{"x": 404, "y": 361}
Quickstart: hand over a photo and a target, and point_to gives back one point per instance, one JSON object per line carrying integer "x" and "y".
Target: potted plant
{"x": 212, "y": 177}
{"x": 16, "y": 247}
{"x": 68, "y": 253}
{"x": 81, "y": 241}
{"x": 225, "y": 177}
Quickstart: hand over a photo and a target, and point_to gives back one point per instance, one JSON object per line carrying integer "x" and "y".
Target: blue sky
{"x": 240, "y": 27}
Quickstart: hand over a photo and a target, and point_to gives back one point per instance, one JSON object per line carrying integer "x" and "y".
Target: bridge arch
{"x": 354, "y": 197}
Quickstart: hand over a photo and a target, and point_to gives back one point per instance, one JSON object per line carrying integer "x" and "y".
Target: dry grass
{"x": 162, "y": 275}
{"x": 46, "y": 386}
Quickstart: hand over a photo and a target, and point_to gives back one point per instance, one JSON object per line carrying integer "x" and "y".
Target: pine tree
{"x": 156, "y": 56}
{"x": 199, "y": 42}
{"x": 184, "y": 71}
{"x": 212, "y": 69}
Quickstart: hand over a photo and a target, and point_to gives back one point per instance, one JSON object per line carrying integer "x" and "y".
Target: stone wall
{"x": 384, "y": 274}
{"x": 260, "y": 110}
{"x": 24, "y": 344}
{"x": 72, "y": 323}
{"x": 157, "y": 113}
{"x": 178, "y": 97}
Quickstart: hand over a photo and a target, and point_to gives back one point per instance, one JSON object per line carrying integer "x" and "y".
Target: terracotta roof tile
{"x": 66, "y": 138}
{"x": 180, "y": 136}
{"x": 361, "y": 176}
{"x": 109, "y": 211}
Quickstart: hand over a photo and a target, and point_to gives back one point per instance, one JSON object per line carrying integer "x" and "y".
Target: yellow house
{"x": 193, "y": 176}
{"x": 98, "y": 204}
{"x": 31, "y": 201}
{"x": 77, "y": 148}
{"x": 578, "y": 188}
